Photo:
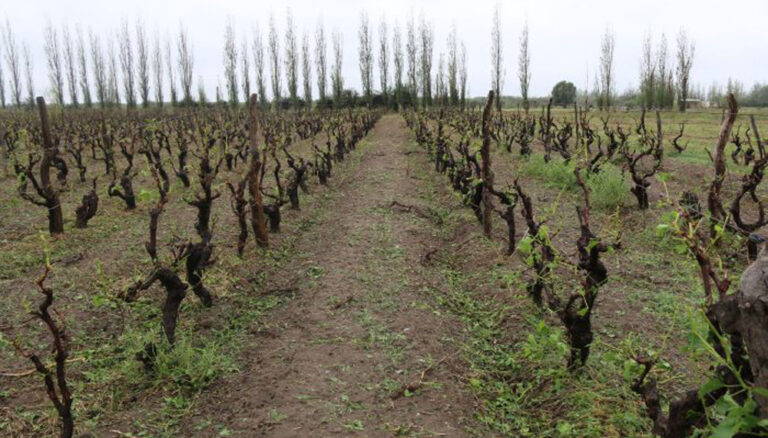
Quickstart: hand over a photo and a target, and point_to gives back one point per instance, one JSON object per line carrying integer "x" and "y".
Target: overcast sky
{"x": 731, "y": 37}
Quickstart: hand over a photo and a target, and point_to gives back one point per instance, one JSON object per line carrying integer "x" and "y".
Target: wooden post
{"x": 485, "y": 170}
{"x": 51, "y": 195}
{"x": 548, "y": 130}
{"x": 714, "y": 201}
{"x": 254, "y": 176}
{"x": 659, "y": 132}
{"x": 576, "y": 123}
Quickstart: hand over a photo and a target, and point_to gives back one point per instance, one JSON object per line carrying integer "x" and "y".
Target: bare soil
{"x": 355, "y": 350}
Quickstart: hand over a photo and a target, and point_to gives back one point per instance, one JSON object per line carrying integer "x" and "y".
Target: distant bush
{"x": 564, "y": 93}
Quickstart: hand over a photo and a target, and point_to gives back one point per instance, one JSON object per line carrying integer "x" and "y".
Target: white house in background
{"x": 695, "y": 103}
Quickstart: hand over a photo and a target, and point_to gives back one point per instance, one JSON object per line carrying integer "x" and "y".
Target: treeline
{"x": 756, "y": 96}
{"x": 132, "y": 68}
{"x": 663, "y": 84}
{"x": 126, "y": 67}
{"x": 398, "y": 66}
{"x": 405, "y": 59}
{"x": 712, "y": 96}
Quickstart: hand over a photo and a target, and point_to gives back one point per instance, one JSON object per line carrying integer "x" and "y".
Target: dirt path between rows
{"x": 356, "y": 352}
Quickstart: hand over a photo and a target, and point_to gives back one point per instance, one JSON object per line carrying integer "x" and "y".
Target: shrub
{"x": 555, "y": 173}
{"x": 608, "y": 188}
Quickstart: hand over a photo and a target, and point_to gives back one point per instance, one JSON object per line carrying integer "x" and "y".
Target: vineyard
{"x": 234, "y": 272}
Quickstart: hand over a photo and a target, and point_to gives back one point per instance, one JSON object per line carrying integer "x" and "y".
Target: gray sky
{"x": 565, "y": 35}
